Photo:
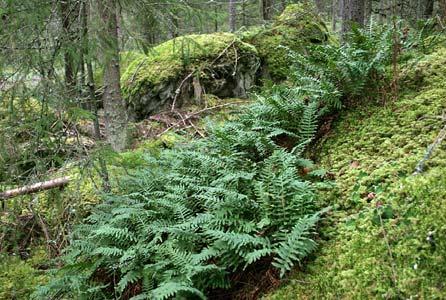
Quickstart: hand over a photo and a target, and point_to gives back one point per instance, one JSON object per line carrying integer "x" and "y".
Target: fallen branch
{"x": 187, "y": 117}
{"x": 430, "y": 150}
{"x": 34, "y": 188}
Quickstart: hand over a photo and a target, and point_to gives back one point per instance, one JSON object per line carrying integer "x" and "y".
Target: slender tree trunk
{"x": 103, "y": 171}
{"x": 114, "y": 107}
{"x": 345, "y": 11}
{"x": 216, "y": 17}
{"x": 232, "y": 16}
{"x": 334, "y": 14}
{"x": 68, "y": 14}
{"x": 244, "y": 20}
{"x": 172, "y": 26}
{"x": 382, "y": 13}
{"x": 319, "y": 6}
{"x": 443, "y": 9}
{"x": 357, "y": 11}
{"x": 267, "y": 8}
{"x": 368, "y": 11}
{"x": 428, "y": 9}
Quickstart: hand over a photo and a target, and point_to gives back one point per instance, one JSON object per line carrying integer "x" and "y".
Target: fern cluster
{"x": 360, "y": 68}
{"x": 246, "y": 194}
{"x": 203, "y": 210}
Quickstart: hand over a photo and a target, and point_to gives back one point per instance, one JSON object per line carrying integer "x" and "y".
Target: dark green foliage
{"x": 357, "y": 69}
{"x": 203, "y": 210}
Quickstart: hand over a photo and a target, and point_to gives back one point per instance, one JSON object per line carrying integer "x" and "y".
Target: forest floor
{"x": 385, "y": 237}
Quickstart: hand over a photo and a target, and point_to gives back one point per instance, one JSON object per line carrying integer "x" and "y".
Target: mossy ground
{"x": 18, "y": 278}
{"x": 390, "y": 244}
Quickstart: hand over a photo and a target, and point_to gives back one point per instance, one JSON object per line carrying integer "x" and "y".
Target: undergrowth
{"x": 246, "y": 194}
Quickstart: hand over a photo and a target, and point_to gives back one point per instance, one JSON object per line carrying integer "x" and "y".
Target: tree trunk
{"x": 68, "y": 13}
{"x": 114, "y": 107}
{"x": 93, "y": 103}
{"x": 216, "y": 17}
{"x": 368, "y": 11}
{"x": 334, "y": 14}
{"x": 428, "y": 9}
{"x": 267, "y": 8}
{"x": 443, "y": 9}
{"x": 319, "y": 6}
{"x": 232, "y": 16}
{"x": 345, "y": 13}
{"x": 357, "y": 12}
{"x": 244, "y": 20}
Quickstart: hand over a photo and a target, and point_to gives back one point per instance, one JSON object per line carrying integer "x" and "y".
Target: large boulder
{"x": 183, "y": 69}
{"x": 295, "y": 29}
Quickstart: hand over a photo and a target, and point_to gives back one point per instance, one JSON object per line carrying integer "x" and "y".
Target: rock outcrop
{"x": 182, "y": 70}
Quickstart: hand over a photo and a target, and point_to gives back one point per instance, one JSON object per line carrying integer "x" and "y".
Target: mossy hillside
{"x": 296, "y": 28}
{"x": 220, "y": 63}
{"x": 387, "y": 241}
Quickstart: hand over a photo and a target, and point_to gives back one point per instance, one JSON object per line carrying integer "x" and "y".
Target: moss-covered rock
{"x": 189, "y": 66}
{"x": 296, "y": 28}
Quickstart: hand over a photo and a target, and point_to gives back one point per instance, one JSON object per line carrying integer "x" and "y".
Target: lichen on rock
{"x": 295, "y": 29}
{"x": 185, "y": 68}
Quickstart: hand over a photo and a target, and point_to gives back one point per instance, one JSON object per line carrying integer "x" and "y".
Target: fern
{"x": 223, "y": 203}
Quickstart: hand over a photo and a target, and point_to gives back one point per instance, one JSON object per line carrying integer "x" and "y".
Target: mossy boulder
{"x": 185, "y": 68}
{"x": 295, "y": 29}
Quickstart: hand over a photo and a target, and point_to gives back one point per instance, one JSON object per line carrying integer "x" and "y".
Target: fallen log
{"x": 34, "y": 188}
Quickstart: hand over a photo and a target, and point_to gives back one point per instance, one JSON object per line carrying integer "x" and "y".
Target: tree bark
{"x": 267, "y": 8}
{"x": 93, "y": 103}
{"x": 345, "y": 13}
{"x": 428, "y": 9}
{"x": 115, "y": 110}
{"x": 68, "y": 14}
{"x": 357, "y": 12}
{"x": 319, "y": 6}
{"x": 232, "y": 16}
{"x": 352, "y": 13}
{"x": 334, "y": 14}
{"x": 443, "y": 9}
{"x": 368, "y": 11}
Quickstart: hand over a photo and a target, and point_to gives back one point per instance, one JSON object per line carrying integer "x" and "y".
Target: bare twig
{"x": 187, "y": 117}
{"x": 430, "y": 150}
{"x": 178, "y": 90}
{"x": 196, "y": 129}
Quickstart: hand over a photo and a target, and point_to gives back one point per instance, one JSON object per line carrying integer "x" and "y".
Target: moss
{"x": 215, "y": 59}
{"x": 125, "y": 59}
{"x": 430, "y": 70}
{"x": 391, "y": 246}
{"x": 19, "y": 278}
{"x": 296, "y": 28}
